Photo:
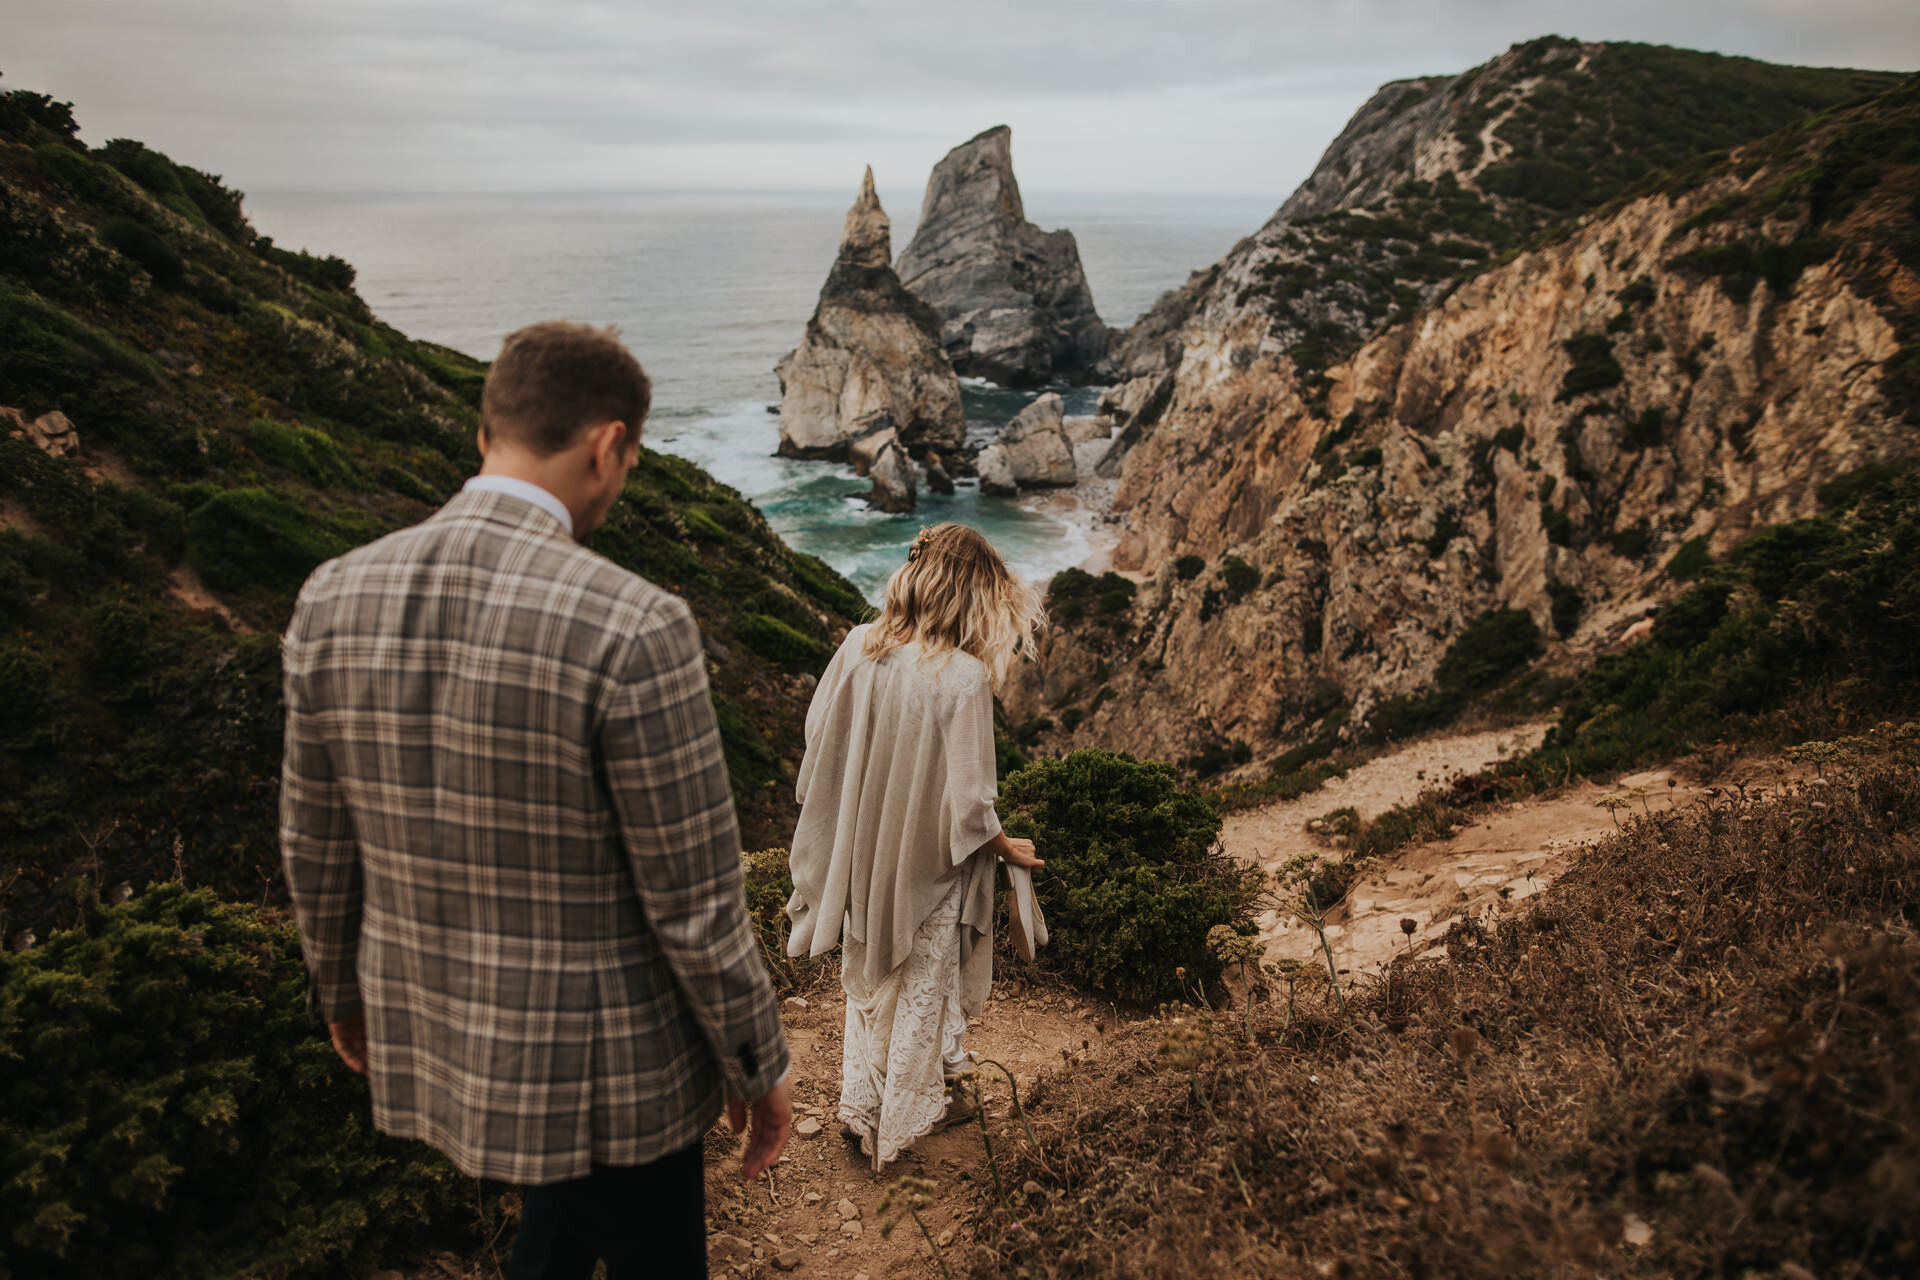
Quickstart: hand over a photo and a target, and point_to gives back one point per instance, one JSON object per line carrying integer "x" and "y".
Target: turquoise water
{"x": 710, "y": 289}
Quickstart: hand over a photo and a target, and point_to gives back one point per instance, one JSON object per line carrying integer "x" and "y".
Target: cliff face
{"x": 1691, "y": 364}
{"x": 1430, "y": 180}
{"x": 869, "y": 369}
{"x": 1013, "y": 300}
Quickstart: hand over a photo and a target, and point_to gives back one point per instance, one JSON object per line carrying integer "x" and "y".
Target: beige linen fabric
{"x": 509, "y": 839}
{"x": 896, "y": 792}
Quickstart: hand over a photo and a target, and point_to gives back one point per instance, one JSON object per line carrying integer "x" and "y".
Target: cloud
{"x": 1200, "y": 95}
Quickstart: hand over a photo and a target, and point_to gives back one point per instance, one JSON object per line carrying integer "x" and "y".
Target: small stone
{"x": 848, "y": 1210}
{"x": 808, "y": 1128}
{"x": 794, "y": 1004}
{"x": 806, "y": 1237}
{"x": 945, "y": 1238}
{"x": 729, "y": 1248}
{"x": 812, "y": 1197}
{"x": 852, "y": 1230}
{"x": 787, "y": 1261}
{"x": 1636, "y": 1232}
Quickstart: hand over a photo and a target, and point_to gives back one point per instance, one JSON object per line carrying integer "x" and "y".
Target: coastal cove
{"x": 710, "y": 288}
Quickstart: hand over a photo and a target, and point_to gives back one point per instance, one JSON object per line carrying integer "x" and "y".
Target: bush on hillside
{"x": 172, "y": 1111}
{"x": 1134, "y": 878}
{"x": 256, "y": 537}
{"x": 1494, "y": 646}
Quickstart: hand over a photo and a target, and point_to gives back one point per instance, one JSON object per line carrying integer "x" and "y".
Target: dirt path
{"x": 1509, "y": 856}
{"x": 819, "y": 1213}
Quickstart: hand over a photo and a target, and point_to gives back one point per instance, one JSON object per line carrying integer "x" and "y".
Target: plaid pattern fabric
{"x": 507, "y": 831}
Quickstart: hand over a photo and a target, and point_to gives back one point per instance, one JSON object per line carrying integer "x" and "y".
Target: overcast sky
{"x": 1205, "y": 96}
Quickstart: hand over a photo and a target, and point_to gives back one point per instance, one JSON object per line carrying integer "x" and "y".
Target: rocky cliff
{"x": 1013, "y": 300}
{"x": 1649, "y": 381}
{"x": 869, "y": 370}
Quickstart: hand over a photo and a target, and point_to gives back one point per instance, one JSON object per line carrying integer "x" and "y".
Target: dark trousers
{"x": 647, "y": 1220}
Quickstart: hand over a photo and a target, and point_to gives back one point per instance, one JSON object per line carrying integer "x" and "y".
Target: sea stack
{"x": 1013, "y": 300}
{"x": 869, "y": 370}
{"x": 1031, "y": 452}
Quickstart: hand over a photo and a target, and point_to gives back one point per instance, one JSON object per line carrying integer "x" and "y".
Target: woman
{"x": 894, "y": 854}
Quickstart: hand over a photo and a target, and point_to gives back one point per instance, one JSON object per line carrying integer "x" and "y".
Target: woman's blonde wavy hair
{"x": 955, "y": 592}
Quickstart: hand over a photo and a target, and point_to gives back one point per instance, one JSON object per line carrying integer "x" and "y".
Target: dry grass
{"x": 1694, "y": 1056}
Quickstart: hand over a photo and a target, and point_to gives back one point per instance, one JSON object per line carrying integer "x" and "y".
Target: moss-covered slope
{"x": 241, "y": 415}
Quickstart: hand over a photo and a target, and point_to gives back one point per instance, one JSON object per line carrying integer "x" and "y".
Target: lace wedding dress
{"x": 903, "y": 1038}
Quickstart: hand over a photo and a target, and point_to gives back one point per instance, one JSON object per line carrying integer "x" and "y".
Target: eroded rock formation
{"x": 1033, "y": 450}
{"x": 1013, "y": 300}
{"x": 869, "y": 368}
{"x": 1690, "y": 365}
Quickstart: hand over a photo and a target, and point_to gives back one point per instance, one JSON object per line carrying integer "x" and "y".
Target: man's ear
{"x": 480, "y": 439}
{"x": 609, "y": 445}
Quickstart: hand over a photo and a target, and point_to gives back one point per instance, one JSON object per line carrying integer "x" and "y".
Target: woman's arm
{"x": 1012, "y": 849}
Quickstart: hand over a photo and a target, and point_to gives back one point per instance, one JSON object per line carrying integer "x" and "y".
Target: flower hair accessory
{"x": 920, "y": 543}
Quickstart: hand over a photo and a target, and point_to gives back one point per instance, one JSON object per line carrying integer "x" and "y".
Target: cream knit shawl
{"x": 896, "y": 794}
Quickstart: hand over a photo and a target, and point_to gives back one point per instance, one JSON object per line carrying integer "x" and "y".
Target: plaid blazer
{"x": 507, "y": 831}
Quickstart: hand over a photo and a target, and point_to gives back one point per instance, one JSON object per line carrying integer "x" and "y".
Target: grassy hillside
{"x": 242, "y": 415}
{"x": 1571, "y": 127}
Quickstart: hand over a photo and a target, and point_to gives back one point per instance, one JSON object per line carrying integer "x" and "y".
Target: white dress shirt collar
{"x": 527, "y": 490}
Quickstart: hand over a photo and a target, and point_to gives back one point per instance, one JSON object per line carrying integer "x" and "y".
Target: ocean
{"x": 710, "y": 289}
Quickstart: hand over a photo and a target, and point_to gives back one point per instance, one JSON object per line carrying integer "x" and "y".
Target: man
{"x": 511, "y": 845}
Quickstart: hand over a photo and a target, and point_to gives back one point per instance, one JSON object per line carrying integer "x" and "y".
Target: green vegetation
{"x": 1188, "y": 567}
{"x": 1238, "y": 576}
{"x": 1690, "y": 561}
{"x": 1742, "y": 264}
{"x": 243, "y": 416}
{"x": 1594, "y": 367}
{"x": 1134, "y": 879}
{"x": 170, "y": 1111}
{"x": 1486, "y": 653}
{"x": 1582, "y": 125}
{"x": 1075, "y": 594}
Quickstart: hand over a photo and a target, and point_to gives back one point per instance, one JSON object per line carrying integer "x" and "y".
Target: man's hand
{"x": 772, "y": 1122}
{"x": 350, "y": 1041}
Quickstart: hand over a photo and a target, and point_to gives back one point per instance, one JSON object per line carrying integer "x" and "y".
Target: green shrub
{"x": 1074, "y": 594}
{"x": 26, "y": 679}
{"x": 1559, "y": 526}
{"x": 256, "y": 538}
{"x": 1492, "y": 647}
{"x": 777, "y": 642}
{"x": 309, "y": 454}
{"x": 1690, "y": 561}
{"x": 1566, "y": 605}
{"x": 1238, "y": 576}
{"x": 1594, "y": 367}
{"x": 147, "y": 247}
{"x": 1134, "y": 878}
{"x": 1188, "y": 567}
{"x": 171, "y": 1111}
{"x": 1645, "y": 431}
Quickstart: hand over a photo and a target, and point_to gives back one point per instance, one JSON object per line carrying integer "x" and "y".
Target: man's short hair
{"x": 555, "y": 379}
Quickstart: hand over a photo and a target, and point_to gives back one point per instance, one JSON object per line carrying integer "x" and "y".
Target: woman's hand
{"x": 1013, "y": 850}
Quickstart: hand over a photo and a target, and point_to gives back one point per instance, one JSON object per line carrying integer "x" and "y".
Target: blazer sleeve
{"x": 318, "y": 851}
{"x": 667, "y": 776}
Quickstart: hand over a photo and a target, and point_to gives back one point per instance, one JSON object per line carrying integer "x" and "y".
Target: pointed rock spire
{"x": 868, "y": 238}
{"x": 869, "y": 372}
